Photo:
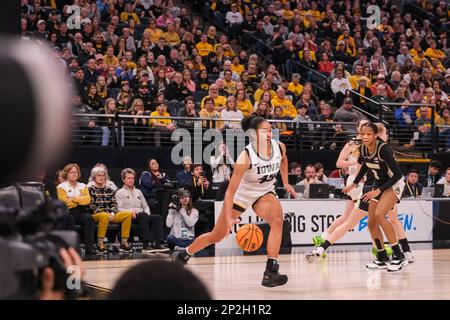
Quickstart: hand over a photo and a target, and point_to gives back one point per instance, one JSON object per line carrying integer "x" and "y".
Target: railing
{"x": 407, "y": 130}
{"x": 120, "y": 130}
{"x": 417, "y": 12}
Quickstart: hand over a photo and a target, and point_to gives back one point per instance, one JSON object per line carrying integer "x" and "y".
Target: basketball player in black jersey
{"x": 377, "y": 158}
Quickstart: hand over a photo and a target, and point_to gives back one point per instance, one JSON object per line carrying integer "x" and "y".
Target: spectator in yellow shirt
{"x": 219, "y": 101}
{"x": 210, "y": 114}
{"x": 155, "y": 33}
{"x": 236, "y": 65}
{"x": 203, "y": 47}
{"x": 171, "y": 35}
{"x": 227, "y": 49}
{"x": 229, "y": 85}
{"x": 243, "y": 104}
{"x": 295, "y": 86}
{"x": 432, "y": 52}
{"x": 354, "y": 78}
{"x": 161, "y": 125}
{"x": 265, "y": 86}
{"x": 110, "y": 58}
{"x": 128, "y": 14}
{"x": 76, "y": 197}
{"x": 286, "y": 104}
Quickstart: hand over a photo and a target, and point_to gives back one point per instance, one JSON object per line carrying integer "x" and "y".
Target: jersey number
{"x": 267, "y": 178}
{"x": 375, "y": 174}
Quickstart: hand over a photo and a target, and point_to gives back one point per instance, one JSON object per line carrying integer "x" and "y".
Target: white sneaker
{"x": 409, "y": 256}
{"x": 377, "y": 264}
{"x": 177, "y": 248}
{"x": 313, "y": 255}
{"x": 397, "y": 265}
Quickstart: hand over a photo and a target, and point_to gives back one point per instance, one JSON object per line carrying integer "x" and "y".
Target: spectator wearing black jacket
{"x": 188, "y": 112}
{"x": 161, "y": 48}
{"x": 199, "y": 186}
{"x": 143, "y": 93}
{"x": 151, "y": 180}
{"x": 90, "y": 72}
{"x": 412, "y": 186}
{"x": 174, "y": 61}
{"x": 175, "y": 93}
{"x": 432, "y": 175}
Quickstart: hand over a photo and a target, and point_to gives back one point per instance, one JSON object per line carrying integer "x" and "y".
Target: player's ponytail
{"x": 252, "y": 122}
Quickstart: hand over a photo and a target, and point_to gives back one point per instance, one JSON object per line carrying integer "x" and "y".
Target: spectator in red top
{"x": 381, "y": 80}
{"x": 325, "y": 65}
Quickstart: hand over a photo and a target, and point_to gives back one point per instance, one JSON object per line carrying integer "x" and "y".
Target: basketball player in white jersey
{"x": 348, "y": 158}
{"x": 253, "y": 185}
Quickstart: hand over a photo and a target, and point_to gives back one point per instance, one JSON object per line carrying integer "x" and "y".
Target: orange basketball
{"x": 249, "y": 237}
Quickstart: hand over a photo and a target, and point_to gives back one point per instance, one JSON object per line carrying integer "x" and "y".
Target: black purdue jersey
{"x": 380, "y": 166}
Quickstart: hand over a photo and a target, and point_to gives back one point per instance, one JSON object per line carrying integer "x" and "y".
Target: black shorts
{"x": 364, "y": 206}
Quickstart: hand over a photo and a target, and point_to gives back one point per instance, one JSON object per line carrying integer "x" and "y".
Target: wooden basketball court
{"x": 341, "y": 275}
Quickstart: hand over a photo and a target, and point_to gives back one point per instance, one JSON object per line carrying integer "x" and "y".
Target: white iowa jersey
{"x": 353, "y": 169}
{"x": 260, "y": 178}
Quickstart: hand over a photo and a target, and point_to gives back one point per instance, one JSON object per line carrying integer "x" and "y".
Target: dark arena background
{"x": 122, "y": 125}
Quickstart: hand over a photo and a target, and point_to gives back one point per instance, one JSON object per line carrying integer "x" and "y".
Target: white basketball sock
{"x": 325, "y": 235}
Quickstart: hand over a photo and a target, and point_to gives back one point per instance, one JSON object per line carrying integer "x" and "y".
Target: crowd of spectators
{"x": 404, "y": 59}
{"x": 154, "y": 58}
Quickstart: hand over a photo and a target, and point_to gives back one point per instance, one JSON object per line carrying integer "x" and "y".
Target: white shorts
{"x": 242, "y": 201}
{"x": 356, "y": 192}
{"x": 398, "y": 188}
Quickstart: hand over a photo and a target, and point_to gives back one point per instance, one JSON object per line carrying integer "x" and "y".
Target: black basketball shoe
{"x": 272, "y": 278}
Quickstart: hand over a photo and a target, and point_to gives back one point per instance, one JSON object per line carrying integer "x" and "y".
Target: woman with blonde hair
{"x": 103, "y": 208}
{"x": 264, "y": 87}
{"x": 76, "y": 197}
{"x": 243, "y": 104}
{"x": 108, "y": 122}
{"x": 231, "y": 112}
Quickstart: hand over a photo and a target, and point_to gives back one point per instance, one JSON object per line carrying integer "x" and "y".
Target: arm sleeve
{"x": 387, "y": 155}
{"x": 84, "y": 199}
{"x": 63, "y": 197}
{"x": 169, "y": 219}
{"x": 183, "y": 179}
{"x": 113, "y": 204}
{"x": 190, "y": 220}
{"x": 119, "y": 200}
{"x": 214, "y": 163}
{"x": 362, "y": 172}
{"x": 92, "y": 205}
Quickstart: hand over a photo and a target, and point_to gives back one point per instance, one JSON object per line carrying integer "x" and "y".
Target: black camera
{"x": 175, "y": 202}
{"x": 29, "y": 243}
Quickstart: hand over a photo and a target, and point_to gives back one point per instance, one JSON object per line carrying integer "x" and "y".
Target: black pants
{"x": 88, "y": 226}
{"x": 150, "y": 227}
{"x": 66, "y": 222}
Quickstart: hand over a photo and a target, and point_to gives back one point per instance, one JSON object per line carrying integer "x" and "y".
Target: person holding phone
{"x": 200, "y": 187}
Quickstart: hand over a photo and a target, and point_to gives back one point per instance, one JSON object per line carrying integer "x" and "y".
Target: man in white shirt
{"x": 310, "y": 177}
{"x": 339, "y": 86}
{"x": 131, "y": 199}
{"x": 234, "y": 19}
{"x": 445, "y": 180}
